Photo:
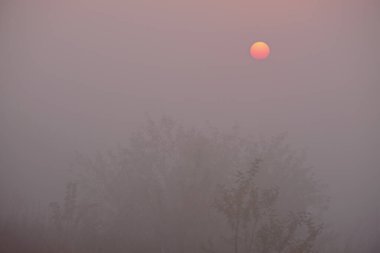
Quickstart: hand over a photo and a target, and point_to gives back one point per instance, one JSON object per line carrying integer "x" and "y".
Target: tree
{"x": 157, "y": 193}
{"x": 255, "y": 224}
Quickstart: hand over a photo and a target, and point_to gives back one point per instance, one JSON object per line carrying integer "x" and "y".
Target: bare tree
{"x": 158, "y": 192}
{"x": 256, "y": 225}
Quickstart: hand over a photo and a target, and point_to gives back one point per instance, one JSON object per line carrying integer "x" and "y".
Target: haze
{"x": 81, "y": 76}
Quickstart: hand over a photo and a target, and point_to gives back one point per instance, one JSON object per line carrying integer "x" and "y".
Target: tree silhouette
{"x": 256, "y": 225}
{"x": 159, "y": 192}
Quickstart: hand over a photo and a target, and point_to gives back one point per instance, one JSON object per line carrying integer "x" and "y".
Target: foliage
{"x": 256, "y": 225}
{"x": 175, "y": 189}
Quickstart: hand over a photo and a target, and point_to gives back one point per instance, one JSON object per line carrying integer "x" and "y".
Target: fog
{"x": 79, "y": 78}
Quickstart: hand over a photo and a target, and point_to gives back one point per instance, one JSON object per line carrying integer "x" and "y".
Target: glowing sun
{"x": 260, "y": 50}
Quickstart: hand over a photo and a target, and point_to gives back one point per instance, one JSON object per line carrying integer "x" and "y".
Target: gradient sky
{"x": 78, "y": 76}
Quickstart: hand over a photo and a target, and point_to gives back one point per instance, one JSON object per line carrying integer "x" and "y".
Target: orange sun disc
{"x": 260, "y": 50}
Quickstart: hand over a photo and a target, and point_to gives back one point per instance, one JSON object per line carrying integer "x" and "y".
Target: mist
{"x": 82, "y": 78}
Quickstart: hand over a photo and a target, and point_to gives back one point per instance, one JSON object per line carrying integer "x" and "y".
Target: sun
{"x": 260, "y": 50}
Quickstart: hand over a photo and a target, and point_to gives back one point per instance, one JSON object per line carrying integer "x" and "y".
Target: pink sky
{"x": 79, "y": 75}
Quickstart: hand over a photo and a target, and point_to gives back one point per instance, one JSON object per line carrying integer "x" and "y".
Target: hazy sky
{"x": 78, "y": 76}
